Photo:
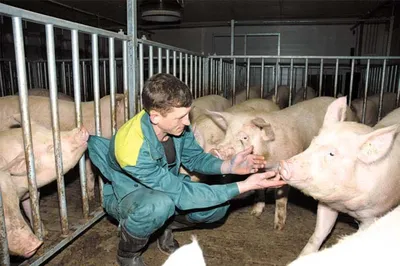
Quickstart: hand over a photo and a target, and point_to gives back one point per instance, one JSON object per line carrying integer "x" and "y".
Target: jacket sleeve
{"x": 196, "y": 160}
{"x": 185, "y": 194}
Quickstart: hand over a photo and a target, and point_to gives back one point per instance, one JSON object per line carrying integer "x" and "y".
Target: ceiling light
{"x": 161, "y": 11}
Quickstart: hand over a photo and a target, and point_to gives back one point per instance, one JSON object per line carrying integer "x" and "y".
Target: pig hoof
{"x": 257, "y": 210}
{"x": 279, "y": 227}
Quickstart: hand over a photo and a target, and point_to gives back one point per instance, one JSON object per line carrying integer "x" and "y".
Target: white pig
{"x": 350, "y": 168}
{"x": 378, "y": 243}
{"x": 189, "y": 254}
{"x": 254, "y": 92}
{"x": 209, "y": 102}
{"x": 276, "y": 135}
{"x": 21, "y": 240}
{"x": 46, "y": 93}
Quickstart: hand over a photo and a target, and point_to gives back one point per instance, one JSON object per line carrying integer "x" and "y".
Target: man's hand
{"x": 260, "y": 181}
{"x": 243, "y": 163}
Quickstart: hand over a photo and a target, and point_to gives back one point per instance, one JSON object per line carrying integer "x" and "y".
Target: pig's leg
{"x": 259, "y": 206}
{"x": 281, "y": 199}
{"x": 90, "y": 178}
{"x": 326, "y": 218}
{"x": 26, "y": 206}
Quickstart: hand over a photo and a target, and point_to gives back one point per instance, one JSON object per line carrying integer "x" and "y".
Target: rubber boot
{"x": 166, "y": 243}
{"x": 130, "y": 249}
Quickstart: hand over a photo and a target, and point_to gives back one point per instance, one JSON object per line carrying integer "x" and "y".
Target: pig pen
{"x": 242, "y": 239}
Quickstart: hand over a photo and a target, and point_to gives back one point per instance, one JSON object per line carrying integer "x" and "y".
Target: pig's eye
{"x": 331, "y": 154}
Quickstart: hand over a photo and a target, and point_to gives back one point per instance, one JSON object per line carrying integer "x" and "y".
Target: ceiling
{"x": 112, "y": 14}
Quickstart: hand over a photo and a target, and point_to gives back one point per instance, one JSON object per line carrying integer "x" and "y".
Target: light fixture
{"x": 161, "y": 11}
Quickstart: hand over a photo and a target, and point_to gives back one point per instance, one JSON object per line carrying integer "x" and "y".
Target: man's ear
{"x": 154, "y": 117}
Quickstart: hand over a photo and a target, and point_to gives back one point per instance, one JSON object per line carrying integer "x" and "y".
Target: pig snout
{"x": 81, "y": 135}
{"x": 284, "y": 170}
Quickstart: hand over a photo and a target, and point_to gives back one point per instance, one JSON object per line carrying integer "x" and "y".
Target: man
{"x": 145, "y": 191}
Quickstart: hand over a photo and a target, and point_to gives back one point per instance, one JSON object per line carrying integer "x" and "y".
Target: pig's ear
{"x": 268, "y": 132}
{"x": 222, "y": 119}
{"x": 336, "y": 111}
{"x": 377, "y": 144}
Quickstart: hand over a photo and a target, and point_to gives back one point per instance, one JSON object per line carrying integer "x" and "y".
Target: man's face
{"x": 175, "y": 121}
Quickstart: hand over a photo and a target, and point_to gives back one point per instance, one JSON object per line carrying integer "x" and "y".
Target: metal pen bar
{"x": 159, "y": 60}
{"x": 29, "y": 75}
{"x": 247, "y": 79}
{"x": 151, "y": 72}
{"x": 167, "y": 60}
{"x": 165, "y": 46}
{"x": 51, "y": 63}
{"x": 111, "y": 54}
{"x": 336, "y": 78}
{"x": 125, "y": 79}
{"x": 291, "y": 83}
{"x": 180, "y": 67}
{"x": 78, "y": 112}
{"x": 191, "y": 74}
{"x": 351, "y": 82}
{"x": 26, "y": 126}
{"x": 262, "y": 78}
{"x": 11, "y": 78}
{"x": 174, "y": 63}
{"x": 398, "y": 92}
{"x": 141, "y": 77}
{"x": 220, "y": 77}
{"x": 186, "y": 69}
{"x": 321, "y": 73}
{"x": 195, "y": 77}
{"x": 305, "y": 79}
{"x": 63, "y": 78}
{"x": 381, "y": 91}
{"x": 365, "y": 92}
{"x": 84, "y": 81}
{"x": 234, "y": 82}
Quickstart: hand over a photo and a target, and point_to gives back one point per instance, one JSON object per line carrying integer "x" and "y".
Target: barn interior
{"x": 337, "y": 47}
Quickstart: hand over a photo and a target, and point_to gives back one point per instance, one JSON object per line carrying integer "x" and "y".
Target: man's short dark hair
{"x": 162, "y": 92}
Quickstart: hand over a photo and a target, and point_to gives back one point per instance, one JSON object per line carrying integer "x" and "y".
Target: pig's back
{"x": 390, "y": 119}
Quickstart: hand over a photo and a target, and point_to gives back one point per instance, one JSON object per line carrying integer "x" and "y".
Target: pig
{"x": 276, "y": 135}
{"x": 372, "y": 108}
{"x": 46, "y": 93}
{"x": 349, "y": 167}
{"x": 189, "y": 254}
{"x": 12, "y": 160}
{"x": 12, "y": 156}
{"x": 254, "y": 92}
{"x": 380, "y": 241}
{"x": 299, "y": 96}
{"x": 21, "y": 240}
{"x": 210, "y": 102}
{"x": 282, "y": 97}
{"x": 39, "y": 108}
{"x": 391, "y": 118}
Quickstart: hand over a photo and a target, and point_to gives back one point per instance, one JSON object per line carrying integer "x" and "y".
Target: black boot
{"x": 129, "y": 249}
{"x": 166, "y": 243}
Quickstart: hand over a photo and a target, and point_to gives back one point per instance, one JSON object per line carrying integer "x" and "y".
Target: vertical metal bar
{"x": 191, "y": 73}
{"x": 195, "y": 77}
{"x": 321, "y": 72}
{"x": 84, "y": 81}
{"x": 4, "y": 255}
{"x": 78, "y": 111}
{"x": 97, "y": 115}
{"x": 125, "y": 78}
{"x": 232, "y": 37}
{"x": 159, "y": 60}
{"x": 262, "y": 77}
{"x": 45, "y": 76}
{"x": 234, "y": 82}
{"x": 398, "y": 91}
{"x": 11, "y": 78}
{"x": 1, "y": 80}
{"x": 26, "y": 125}
{"x": 291, "y": 82}
{"x": 212, "y": 85}
{"x": 389, "y": 42}
{"x": 167, "y": 60}
{"x": 29, "y": 75}
{"x": 105, "y": 77}
{"x": 220, "y": 78}
{"x": 180, "y": 66}
{"x": 141, "y": 76}
{"x": 381, "y": 90}
{"x": 248, "y": 80}
{"x": 186, "y": 69}
{"x": 151, "y": 72}
{"x": 133, "y": 82}
{"x": 174, "y": 63}
{"x": 365, "y": 92}
{"x": 63, "y": 78}
{"x": 111, "y": 54}
{"x": 39, "y": 74}
{"x": 201, "y": 88}
{"x": 51, "y": 63}
{"x": 336, "y": 78}
{"x": 305, "y": 79}
{"x": 351, "y": 82}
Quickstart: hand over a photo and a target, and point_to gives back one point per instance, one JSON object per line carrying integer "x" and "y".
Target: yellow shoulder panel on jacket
{"x": 128, "y": 141}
